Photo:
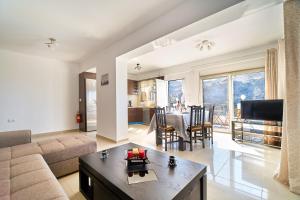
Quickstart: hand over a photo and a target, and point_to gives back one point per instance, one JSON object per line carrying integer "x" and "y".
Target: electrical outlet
{"x": 10, "y": 120}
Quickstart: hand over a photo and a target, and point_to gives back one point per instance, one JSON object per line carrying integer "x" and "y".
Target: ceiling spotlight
{"x": 205, "y": 44}
{"x": 162, "y": 42}
{"x": 52, "y": 43}
{"x": 138, "y": 67}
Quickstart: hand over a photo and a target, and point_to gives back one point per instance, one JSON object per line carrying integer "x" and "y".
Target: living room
{"x": 203, "y": 57}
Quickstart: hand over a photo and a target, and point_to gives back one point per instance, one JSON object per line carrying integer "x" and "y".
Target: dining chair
{"x": 165, "y": 131}
{"x": 196, "y": 126}
{"x": 209, "y": 125}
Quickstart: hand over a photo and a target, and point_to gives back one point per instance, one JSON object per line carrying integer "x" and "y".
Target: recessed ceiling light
{"x": 205, "y": 45}
{"x": 162, "y": 42}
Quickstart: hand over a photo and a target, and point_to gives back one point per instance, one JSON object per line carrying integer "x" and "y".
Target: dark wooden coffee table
{"x": 108, "y": 179}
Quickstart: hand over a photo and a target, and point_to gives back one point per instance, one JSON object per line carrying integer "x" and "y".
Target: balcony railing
{"x": 221, "y": 115}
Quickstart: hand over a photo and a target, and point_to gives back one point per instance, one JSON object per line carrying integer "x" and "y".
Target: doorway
{"x": 88, "y": 101}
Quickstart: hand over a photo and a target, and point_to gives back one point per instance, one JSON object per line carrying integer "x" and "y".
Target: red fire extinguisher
{"x": 78, "y": 117}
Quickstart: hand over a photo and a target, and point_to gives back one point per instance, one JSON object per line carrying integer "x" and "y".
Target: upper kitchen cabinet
{"x": 132, "y": 87}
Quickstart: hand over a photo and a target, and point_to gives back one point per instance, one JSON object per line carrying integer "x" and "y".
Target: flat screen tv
{"x": 269, "y": 110}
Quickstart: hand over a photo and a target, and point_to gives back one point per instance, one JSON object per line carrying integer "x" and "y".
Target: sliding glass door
{"x": 247, "y": 86}
{"x": 226, "y": 91}
{"x": 215, "y": 92}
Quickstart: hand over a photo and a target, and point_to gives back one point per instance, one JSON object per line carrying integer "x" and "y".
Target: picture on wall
{"x": 104, "y": 79}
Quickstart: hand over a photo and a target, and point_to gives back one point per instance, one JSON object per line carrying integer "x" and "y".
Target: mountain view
{"x": 175, "y": 92}
{"x": 250, "y": 86}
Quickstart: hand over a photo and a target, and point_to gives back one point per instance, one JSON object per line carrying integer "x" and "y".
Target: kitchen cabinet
{"x": 152, "y": 111}
{"x": 132, "y": 87}
{"x": 135, "y": 114}
{"x": 147, "y": 115}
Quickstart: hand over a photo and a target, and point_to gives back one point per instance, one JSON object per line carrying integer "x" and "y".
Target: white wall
{"x": 37, "y": 93}
{"x": 112, "y": 99}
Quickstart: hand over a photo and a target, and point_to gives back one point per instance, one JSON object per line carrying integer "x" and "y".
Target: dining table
{"x": 180, "y": 121}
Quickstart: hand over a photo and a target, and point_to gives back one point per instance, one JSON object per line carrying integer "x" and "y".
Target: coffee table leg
{"x": 85, "y": 184}
{"x": 182, "y": 146}
{"x": 203, "y": 187}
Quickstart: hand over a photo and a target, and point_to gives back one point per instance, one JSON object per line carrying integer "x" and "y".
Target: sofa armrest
{"x": 12, "y": 138}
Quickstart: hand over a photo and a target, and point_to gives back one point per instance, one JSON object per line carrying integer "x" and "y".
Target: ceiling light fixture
{"x": 162, "y": 42}
{"x": 52, "y": 43}
{"x": 138, "y": 67}
{"x": 205, "y": 44}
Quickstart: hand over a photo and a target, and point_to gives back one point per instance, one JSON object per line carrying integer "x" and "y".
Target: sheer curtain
{"x": 282, "y": 172}
{"x": 186, "y": 94}
{"x": 289, "y": 171}
{"x": 271, "y": 78}
{"x": 271, "y": 74}
{"x": 281, "y": 69}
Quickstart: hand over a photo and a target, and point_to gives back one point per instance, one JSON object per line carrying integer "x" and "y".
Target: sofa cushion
{"x": 25, "y": 180}
{"x": 4, "y": 173}
{"x": 46, "y": 190}
{"x": 25, "y": 159}
{"x": 4, "y": 189}
{"x": 4, "y": 179}
{"x": 25, "y": 149}
{"x": 52, "y": 145}
{"x": 66, "y": 148}
{"x": 31, "y": 178}
{"x": 13, "y": 138}
{"x": 5, "y": 154}
{"x": 27, "y": 167}
{"x": 4, "y": 164}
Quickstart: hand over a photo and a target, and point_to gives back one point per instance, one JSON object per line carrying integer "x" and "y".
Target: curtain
{"x": 289, "y": 171}
{"x": 271, "y": 78}
{"x": 281, "y": 69}
{"x": 185, "y": 90}
{"x": 271, "y": 74}
{"x": 282, "y": 172}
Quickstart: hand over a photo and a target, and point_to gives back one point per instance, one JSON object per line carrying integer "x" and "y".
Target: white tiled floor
{"x": 235, "y": 171}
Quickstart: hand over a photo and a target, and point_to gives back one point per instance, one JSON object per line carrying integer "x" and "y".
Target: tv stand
{"x": 257, "y": 131}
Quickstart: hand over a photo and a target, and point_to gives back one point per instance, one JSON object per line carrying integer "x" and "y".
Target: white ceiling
{"x": 254, "y": 29}
{"x": 79, "y": 26}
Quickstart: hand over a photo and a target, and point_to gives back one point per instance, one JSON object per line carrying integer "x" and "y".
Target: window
{"x": 226, "y": 91}
{"x": 215, "y": 92}
{"x": 175, "y": 92}
{"x": 249, "y": 86}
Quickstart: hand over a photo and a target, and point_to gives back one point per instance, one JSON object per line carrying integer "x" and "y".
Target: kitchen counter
{"x": 140, "y": 114}
{"x": 135, "y": 114}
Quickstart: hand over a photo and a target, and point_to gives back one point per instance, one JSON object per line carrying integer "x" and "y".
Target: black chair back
{"x": 160, "y": 115}
{"x": 197, "y": 116}
{"x": 211, "y": 114}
